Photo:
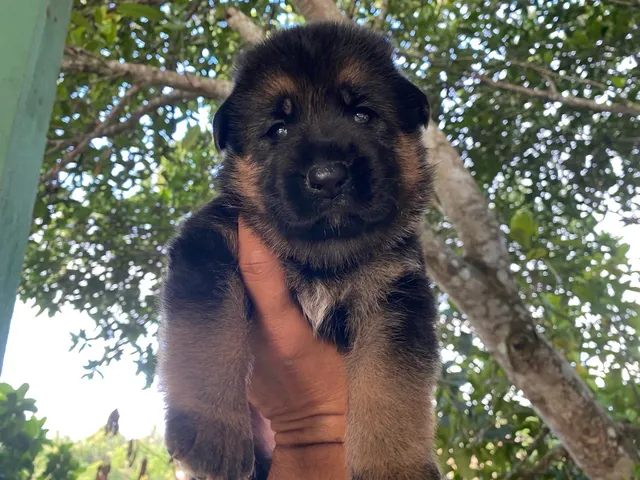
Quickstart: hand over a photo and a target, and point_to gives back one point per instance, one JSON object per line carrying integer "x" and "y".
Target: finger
{"x": 262, "y": 275}
{"x": 282, "y": 321}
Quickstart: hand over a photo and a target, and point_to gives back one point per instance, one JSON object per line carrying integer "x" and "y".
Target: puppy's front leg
{"x": 204, "y": 358}
{"x": 392, "y": 371}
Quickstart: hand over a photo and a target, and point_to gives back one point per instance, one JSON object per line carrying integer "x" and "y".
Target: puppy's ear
{"x": 413, "y": 105}
{"x": 223, "y": 134}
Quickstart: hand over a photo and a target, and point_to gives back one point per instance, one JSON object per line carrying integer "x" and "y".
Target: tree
{"x": 25, "y": 451}
{"x": 21, "y": 439}
{"x": 59, "y": 462}
{"x": 143, "y": 458}
{"x": 27, "y": 454}
{"x": 535, "y": 138}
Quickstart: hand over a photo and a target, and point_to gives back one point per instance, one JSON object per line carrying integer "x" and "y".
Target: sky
{"x": 38, "y": 354}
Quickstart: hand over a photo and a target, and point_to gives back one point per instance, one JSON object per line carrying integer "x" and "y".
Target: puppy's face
{"x": 322, "y": 142}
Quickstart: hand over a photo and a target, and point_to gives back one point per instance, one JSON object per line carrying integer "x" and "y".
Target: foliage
{"x": 21, "y": 438}
{"x": 126, "y": 457}
{"x": 27, "y": 454}
{"x": 550, "y": 170}
{"x": 23, "y": 441}
{"x": 59, "y": 462}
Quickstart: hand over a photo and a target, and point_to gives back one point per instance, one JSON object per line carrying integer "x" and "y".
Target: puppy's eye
{"x": 278, "y": 130}
{"x": 362, "y": 115}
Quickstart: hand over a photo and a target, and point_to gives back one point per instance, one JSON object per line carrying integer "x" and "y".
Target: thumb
{"x": 262, "y": 274}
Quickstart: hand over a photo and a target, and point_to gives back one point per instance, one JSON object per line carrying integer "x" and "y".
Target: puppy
{"x": 323, "y": 158}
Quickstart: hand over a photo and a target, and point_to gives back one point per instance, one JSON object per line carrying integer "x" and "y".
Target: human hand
{"x": 298, "y": 381}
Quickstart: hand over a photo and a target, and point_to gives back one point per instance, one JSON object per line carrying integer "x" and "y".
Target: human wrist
{"x": 317, "y": 461}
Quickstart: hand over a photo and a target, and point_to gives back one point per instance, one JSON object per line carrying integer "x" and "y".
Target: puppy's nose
{"x": 327, "y": 180}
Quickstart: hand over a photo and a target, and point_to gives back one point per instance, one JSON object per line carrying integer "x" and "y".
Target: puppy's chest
{"x": 360, "y": 292}
{"x": 318, "y": 299}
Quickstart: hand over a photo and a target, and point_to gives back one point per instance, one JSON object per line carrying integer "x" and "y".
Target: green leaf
{"x": 110, "y": 31}
{"x": 32, "y": 427}
{"x": 580, "y": 38}
{"x": 497, "y": 433}
{"x": 76, "y": 36}
{"x": 191, "y": 137}
{"x": 99, "y": 14}
{"x": 174, "y": 26}
{"x": 5, "y": 388}
{"x": 79, "y": 20}
{"x": 537, "y": 253}
{"x": 463, "y": 460}
{"x": 135, "y": 10}
{"x": 522, "y": 227}
{"x": 619, "y": 82}
{"x": 22, "y": 390}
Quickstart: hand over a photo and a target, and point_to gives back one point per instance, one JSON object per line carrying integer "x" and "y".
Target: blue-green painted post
{"x": 32, "y": 35}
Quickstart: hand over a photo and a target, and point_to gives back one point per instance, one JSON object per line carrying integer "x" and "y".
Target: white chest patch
{"x": 316, "y": 302}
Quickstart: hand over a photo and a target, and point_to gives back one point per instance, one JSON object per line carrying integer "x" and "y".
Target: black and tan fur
{"x": 353, "y": 261}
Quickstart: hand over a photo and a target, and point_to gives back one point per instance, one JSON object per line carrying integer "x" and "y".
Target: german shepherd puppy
{"x": 323, "y": 158}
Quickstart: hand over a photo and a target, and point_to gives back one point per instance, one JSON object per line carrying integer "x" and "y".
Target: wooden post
{"x": 32, "y": 36}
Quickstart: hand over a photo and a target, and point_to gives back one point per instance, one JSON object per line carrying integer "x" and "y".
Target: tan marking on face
{"x": 412, "y": 168}
{"x": 351, "y": 72}
{"x": 277, "y": 84}
{"x": 245, "y": 176}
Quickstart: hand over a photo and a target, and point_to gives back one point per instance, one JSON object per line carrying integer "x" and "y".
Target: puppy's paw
{"x": 210, "y": 448}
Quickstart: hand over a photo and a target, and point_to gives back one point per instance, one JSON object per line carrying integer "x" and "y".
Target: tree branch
{"x": 632, "y": 431}
{"x": 466, "y": 206}
{"x": 550, "y": 82}
{"x": 516, "y": 471}
{"x": 113, "y": 115}
{"x": 83, "y": 142}
{"x": 550, "y": 73}
{"x": 351, "y": 11}
{"x": 110, "y": 129}
{"x": 246, "y": 28}
{"x": 534, "y": 472}
{"x": 629, "y": 108}
{"x": 151, "y": 3}
{"x": 78, "y": 60}
{"x": 625, "y": 3}
{"x": 161, "y": 101}
{"x": 315, "y": 10}
{"x": 508, "y": 332}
